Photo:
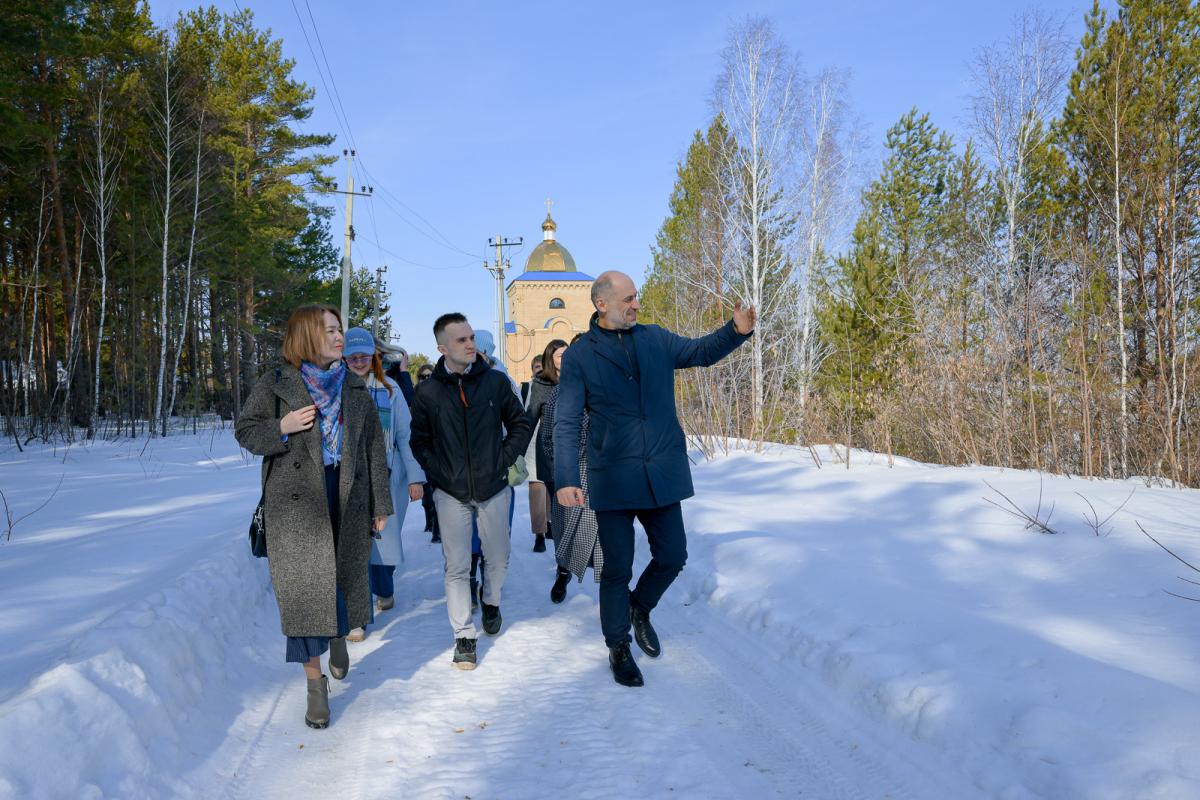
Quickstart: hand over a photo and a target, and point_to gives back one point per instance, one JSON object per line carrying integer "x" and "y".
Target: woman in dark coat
{"x": 576, "y": 546}
{"x": 316, "y": 421}
{"x": 539, "y": 482}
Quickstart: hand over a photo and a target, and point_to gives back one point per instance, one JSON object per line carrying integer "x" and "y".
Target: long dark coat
{"x": 299, "y": 536}
{"x": 637, "y": 457}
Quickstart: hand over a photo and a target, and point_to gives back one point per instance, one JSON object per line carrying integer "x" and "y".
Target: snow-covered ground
{"x": 877, "y": 632}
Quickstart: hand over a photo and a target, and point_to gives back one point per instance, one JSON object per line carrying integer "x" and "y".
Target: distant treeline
{"x": 157, "y": 215}
{"x": 1025, "y": 297}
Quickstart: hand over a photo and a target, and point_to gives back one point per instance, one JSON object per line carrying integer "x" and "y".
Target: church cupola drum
{"x": 550, "y": 300}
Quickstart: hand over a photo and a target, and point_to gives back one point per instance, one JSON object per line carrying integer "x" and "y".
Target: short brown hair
{"x": 305, "y": 334}
{"x": 549, "y": 371}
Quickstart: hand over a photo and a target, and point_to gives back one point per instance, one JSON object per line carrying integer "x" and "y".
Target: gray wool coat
{"x": 299, "y": 536}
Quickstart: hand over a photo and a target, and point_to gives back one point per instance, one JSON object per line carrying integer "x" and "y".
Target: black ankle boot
{"x": 539, "y": 543}
{"x": 558, "y": 592}
{"x": 643, "y": 632}
{"x": 339, "y": 658}
{"x": 624, "y": 669}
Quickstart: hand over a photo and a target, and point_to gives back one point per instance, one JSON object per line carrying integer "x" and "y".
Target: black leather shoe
{"x": 491, "y": 619}
{"x": 643, "y": 631}
{"x": 558, "y": 592}
{"x": 539, "y": 544}
{"x": 624, "y": 669}
{"x": 464, "y": 653}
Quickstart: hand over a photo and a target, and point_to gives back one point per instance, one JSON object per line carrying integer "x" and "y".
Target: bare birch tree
{"x": 1019, "y": 88}
{"x": 829, "y": 145}
{"x": 100, "y": 182}
{"x": 187, "y": 280}
{"x": 759, "y": 95}
{"x": 167, "y": 115}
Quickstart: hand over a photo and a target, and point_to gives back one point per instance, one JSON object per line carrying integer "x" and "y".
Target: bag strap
{"x": 271, "y": 459}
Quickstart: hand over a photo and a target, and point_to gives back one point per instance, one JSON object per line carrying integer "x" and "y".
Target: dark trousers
{"x": 668, "y": 554}
{"x": 382, "y": 579}
{"x": 301, "y": 648}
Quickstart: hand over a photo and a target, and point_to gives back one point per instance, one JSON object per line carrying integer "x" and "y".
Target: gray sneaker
{"x": 317, "y": 715}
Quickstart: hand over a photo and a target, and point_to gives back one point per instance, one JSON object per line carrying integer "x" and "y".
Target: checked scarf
{"x": 325, "y": 388}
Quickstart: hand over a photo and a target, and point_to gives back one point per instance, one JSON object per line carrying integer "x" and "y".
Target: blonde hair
{"x": 305, "y": 335}
{"x": 377, "y": 371}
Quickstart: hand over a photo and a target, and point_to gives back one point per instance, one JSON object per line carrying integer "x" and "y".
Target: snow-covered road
{"x": 541, "y": 717}
{"x": 877, "y": 632}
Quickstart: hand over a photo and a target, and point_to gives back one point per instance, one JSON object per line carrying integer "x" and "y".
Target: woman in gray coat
{"x": 329, "y": 476}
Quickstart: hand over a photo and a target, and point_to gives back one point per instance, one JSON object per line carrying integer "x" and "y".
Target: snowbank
{"x": 127, "y": 599}
{"x": 1045, "y": 665}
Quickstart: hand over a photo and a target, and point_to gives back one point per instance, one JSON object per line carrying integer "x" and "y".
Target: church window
{"x": 557, "y": 303}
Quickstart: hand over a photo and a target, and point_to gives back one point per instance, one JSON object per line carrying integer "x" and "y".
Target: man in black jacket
{"x": 467, "y": 429}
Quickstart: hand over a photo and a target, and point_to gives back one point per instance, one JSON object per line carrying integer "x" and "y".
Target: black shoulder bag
{"x": 258, "y": 523}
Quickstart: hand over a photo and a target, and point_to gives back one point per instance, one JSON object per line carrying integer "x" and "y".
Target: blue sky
{"x": 469, "y": 115}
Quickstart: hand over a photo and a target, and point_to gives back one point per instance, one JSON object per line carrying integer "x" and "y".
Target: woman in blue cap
{"x": 407, "y": 478}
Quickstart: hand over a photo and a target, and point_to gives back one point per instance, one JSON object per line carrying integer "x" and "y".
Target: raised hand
{"x": 744, "y": 319}
{"x": 299, "y": 420}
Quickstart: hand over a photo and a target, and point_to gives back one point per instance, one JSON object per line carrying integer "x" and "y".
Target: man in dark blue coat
{"x": 623, "y": 374}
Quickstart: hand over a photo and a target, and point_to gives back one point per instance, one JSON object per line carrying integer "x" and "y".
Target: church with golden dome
{"x": 550, "y": 300}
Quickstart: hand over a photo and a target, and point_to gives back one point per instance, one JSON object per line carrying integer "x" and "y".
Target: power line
{"x": 343, "y": 120}
{"x": 336, "y": 94}
{"x": 344, "y": 127}
{"x": 444, "y": 241}
{"x": 474, "y": 262}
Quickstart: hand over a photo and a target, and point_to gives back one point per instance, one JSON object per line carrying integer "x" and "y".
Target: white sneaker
{"x": 356, "y": 635}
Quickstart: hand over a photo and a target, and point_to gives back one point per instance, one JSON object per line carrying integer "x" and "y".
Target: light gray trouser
{"x": 454, "y": 518}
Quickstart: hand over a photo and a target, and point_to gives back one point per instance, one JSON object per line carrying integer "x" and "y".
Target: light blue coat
{"x": 389, "y": 548}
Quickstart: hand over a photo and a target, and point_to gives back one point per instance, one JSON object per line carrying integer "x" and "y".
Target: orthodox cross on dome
{"x": 548, "y": 225}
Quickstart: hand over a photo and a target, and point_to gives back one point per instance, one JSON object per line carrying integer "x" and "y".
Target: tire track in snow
{"x": 542, "y": 717}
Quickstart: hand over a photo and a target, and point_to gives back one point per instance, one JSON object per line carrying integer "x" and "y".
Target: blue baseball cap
{"x": 359, "y": 341}
{"x": 484, "y": 342}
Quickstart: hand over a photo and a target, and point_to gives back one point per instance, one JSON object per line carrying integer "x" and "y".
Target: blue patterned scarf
{"x": 325, "y": 388}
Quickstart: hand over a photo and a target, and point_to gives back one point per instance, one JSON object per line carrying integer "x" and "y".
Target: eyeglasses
{"x": 358, "y": 359}
{"x": 422, "y": 376}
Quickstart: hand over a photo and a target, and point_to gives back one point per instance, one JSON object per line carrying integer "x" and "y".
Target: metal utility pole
{"x": 378, "y": 291}
{"x": 497, "y": 269}
{"x": 347, "y": 268}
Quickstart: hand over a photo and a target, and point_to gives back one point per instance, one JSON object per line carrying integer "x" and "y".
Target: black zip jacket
{"x": 467, "y": 430}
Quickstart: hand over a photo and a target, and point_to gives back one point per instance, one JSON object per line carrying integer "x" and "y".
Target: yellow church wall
{"x": 529, "y": 308}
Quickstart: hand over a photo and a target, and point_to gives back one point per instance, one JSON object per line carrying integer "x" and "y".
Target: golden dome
{"x": 549, "y": 256}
